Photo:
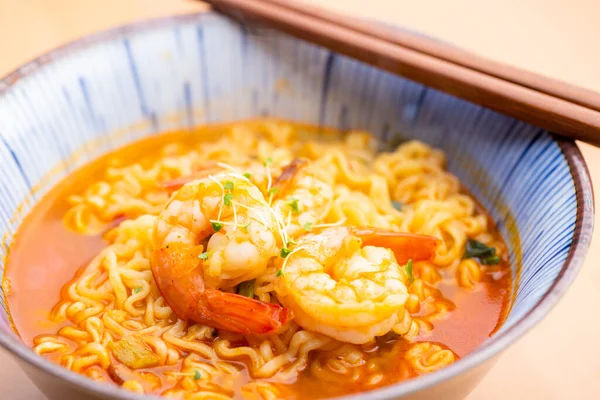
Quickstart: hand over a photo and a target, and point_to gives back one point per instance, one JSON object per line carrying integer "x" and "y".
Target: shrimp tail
{"x": 406, "y": 246}
{"x": 179, "y": 276}
{"x": 244, "y": 315}
{"x": 288, "y": 174}
{"x": 202, "y": 172}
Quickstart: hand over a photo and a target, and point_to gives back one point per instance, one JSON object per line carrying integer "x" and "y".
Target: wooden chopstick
{"x": 455, "y": 55}
{"x": 552, "y": 105}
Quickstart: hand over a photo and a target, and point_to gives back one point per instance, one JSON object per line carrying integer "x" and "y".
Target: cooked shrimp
{"x": 227, "y": 215}
{"x": 261, "y": 174}
{"x": 253, "y": 171}
{"x": 302, "y": 196}
{"x": 337, "y": 286}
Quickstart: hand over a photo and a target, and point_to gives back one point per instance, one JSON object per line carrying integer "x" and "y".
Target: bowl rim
{"x": 492, "y": 347}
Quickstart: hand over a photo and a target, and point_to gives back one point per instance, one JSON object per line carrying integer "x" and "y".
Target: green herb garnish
{"x": 227, "y": 199}
{"x": 228, "y": 185}
{"x": 196, "y": 375}
{"x": 272, "y": 193}
{"x": 216, "y": 226}
{"x": 246, "y": 289}
{"x": 293, "y": 203}
{"x": 268, "y": 162}
{"x": 137, "y": 289}
{"x": 134, "y": 353}
{"x": 491, "y": 260}
{"x": 204, "y": 256}
{"x": 308, "y": 226}
{"x": 409, "y": 271}
{"x": 279, "y": 273}
{"x": 247, "y": 175}
{"x": 475, "y": 248}
{"x": 284, "y": 252}
{"x": 397, "y": 205}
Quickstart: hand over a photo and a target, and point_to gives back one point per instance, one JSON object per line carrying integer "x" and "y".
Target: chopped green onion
{"x": 279, "y": 273}
{"x": 491, "y": 260}
{"x": 284, "y": 252}
{"x": 137, "y": 289}
{"x": 293, "y": 203}
{"x": 308, "y": 226}
{"x": 134, "y": 353}
{"x": 475, "y": 249}
{"x": 227, "y": 199}
{"x": 228, "y": 185}
{"x": 196, "y": 375}
{"x": 409, "y": 271}
{"x": 246, "y": 289}
{"x": 247, "y": 175}
{"x": 216, "y": 226}
{"x": 397, "y": 205}
{"x": 203, "y": 256}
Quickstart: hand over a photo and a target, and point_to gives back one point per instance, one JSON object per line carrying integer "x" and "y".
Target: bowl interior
{"x": 74, "y": 104}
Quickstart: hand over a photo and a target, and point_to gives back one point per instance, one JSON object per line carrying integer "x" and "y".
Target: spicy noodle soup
{"x": 258, "y": 260}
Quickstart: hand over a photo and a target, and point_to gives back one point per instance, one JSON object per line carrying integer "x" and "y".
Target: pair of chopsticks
{"x": 550, "y": 104}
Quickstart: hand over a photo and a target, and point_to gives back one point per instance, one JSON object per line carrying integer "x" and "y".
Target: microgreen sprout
{"x": 284, "y": 252}
{"x": 228, "y": 185}
{"x": 281, "y": 227}
{"x": 272, "y": 193}
{"x": 293, "y": 203}
{"x": 286, "y": 258}
{"x": 257, "y": 213}
{"x": 212, "y": 178}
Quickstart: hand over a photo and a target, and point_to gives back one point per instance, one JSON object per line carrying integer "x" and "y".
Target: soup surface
{"x": 250, "y": 233}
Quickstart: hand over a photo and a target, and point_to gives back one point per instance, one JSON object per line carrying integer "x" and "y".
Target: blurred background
{"x": 552, "y": 37}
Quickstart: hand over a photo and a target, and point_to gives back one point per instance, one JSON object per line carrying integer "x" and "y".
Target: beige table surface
{"x": 560, "y": 358}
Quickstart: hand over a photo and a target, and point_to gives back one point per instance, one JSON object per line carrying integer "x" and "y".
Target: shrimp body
{"x": 245, "y": 240}
{"x": 337, "y": 287}
{"x": 227, "y": 216}
{"x": 304, "y": 197}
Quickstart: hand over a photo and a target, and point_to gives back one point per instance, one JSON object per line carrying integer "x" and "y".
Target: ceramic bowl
{"x": 79, "y": 101}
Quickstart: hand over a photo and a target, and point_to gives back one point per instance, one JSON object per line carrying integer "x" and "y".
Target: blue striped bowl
{"x": 73, "y": 104}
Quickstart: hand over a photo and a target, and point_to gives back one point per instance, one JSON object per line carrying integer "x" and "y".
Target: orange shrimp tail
{"x": 406, "y": 246}
{"x": 179, "y": 277}
{"x": 288, "y": 173}
{"x": 202, "y": 172}
{"x": 244, "y": 315}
